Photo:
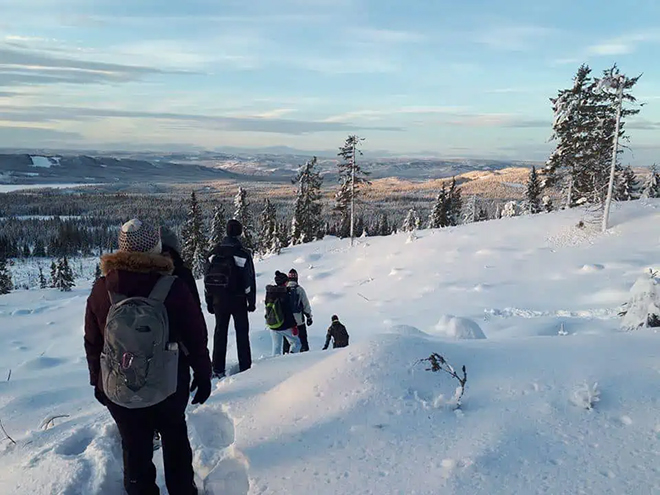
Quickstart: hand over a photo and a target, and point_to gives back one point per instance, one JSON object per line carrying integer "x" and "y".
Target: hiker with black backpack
{"x": 337, "y": 333}
{"x": 143, "y": 333}
{"x": 230, "y": 289}
{"x": 279, "y": 315}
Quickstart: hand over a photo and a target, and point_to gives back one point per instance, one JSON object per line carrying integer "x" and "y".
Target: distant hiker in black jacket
{"x": 171, "y": 248}
{"x": 302, "y": 311}
{"x": 337, "y": 332}
{"x": 230, "y": 289}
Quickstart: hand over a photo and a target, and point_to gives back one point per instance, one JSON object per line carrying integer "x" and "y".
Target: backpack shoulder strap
{"x": 116, "y": 298}
{"x": 162, "y": 288}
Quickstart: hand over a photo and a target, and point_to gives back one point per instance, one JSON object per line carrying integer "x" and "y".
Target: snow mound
{"x": 459, "y": 328}
{"x": 405, "y": 330}
{"x": 588, "y": 268}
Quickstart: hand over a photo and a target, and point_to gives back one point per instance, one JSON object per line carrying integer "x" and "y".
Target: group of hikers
{"x": 145, "y": 332}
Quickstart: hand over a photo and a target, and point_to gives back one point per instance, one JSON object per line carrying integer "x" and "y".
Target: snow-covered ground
{"x": 370, "y": 419}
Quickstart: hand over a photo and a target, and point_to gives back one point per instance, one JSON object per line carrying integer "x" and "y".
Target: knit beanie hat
{"x": 169, "y": 239}
{"x": 136, "y": 236}
{"x": 280, "y": 278}
{"x": 335, "y": 318}
{"x": 293, "y": 275}
{"x": 234, "y": 228}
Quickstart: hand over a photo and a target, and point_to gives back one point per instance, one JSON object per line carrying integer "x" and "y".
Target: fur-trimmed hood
{"x": 136, "y": 262}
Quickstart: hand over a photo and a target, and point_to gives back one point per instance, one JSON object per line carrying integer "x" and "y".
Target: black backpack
{"x": 222, "y": 275}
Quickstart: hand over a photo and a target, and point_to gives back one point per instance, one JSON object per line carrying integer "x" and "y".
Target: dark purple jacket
{"x": 135, "y": 274}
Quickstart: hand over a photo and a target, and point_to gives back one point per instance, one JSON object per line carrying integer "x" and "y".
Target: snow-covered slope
{"x": 369, "y": 419}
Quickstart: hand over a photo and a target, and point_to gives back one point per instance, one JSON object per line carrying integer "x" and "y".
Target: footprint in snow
{"x": 222, "y": 468}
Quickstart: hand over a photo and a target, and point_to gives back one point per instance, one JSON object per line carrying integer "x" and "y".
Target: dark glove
{"x": 210, "y": 309}
{"x": 100, "y": 396}
{"x": 203, "y": 388}
{"x": 309, "y": 321}
{"x": 252, "y": 308}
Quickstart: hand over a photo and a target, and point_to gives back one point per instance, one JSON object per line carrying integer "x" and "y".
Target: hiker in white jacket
{"x": 302, "y": 310}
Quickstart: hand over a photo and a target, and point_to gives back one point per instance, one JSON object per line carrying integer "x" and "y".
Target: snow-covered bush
{"x": 458, "y": 328}
{"x": 643, "y": 309}
{"x": 586, "y": 396}
{"x": 510, "y": 209}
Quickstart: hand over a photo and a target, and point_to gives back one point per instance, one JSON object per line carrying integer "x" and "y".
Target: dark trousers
{"x": 304, "y": 344}
{"x": 242, "y": 326}
{"x": 137, "y": 427}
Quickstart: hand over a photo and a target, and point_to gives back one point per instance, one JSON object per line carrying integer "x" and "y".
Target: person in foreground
{"x": 230, "y": 289}
{"x": 143, "y": 333}
{"x": 337, "y": 332}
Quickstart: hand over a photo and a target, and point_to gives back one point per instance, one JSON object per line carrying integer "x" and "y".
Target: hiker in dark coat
{"x": 302, "y": 311}
{"x": 230, "y": 289}
{"x": 337, "y": 332}
{"x": 133, "y": 271}
{"x": 171, "y": 248}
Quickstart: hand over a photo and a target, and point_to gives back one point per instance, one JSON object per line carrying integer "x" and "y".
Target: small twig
{"x": 9, "y": 375}
{"x": 363, "y": 297}
{"x": 6, "y": 434}
{"x": 46, "y": 423}
{"x": 439, "y": 363}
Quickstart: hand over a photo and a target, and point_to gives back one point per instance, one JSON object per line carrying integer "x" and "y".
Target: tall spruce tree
{"x": 243, "y": 214}
{"x": 306, "y": 224}
{"x": 455, "y": 204}
{"x": 43, "y": 283}
{"x": 39, "y": 250}
{"x": 412, "y": 221}
{"x": 471, "y": 210}
{"x": 268, "y": 232}
{"x": 193, "y": 233}
{"x": 533, "y": 194}
{"x": 218, "y": 226}
{"x": 440, "y": 214}
{"x": 64, "y": 278}
{"x": 6, "y": 284}
{"x": 384, "y": 227}
{"x": 627, "y": 188}
{"x": 199, "y": 260}
{"x": 351, "y": 178}
{"x": 652, "y": 185}
{"x": 53, "y": 273}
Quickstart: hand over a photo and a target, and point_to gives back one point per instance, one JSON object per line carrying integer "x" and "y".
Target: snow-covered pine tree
{"x": 43, "y": 283}
{"x": 384, "y": 225}
{"x": 64, "y": 278}
{"x": 627, "y": 188}
{"x": 440, "y": 214}
{"x": 243, "y": 214}
{"x": 455, "y": 204}
{"x": 643, "y": 308}
{"x": 306, "y": 224}
{"x": 53, "y": 273}
{"x": 471, "y": 210}
{"x": 510, "y": 209}
{"x": 571, "y": 128}
{"x": 283, "y": 234}
{"x": 548, "y": 206}
{"x": 268, "y": 228}
{"x": 193, "y": 232}
{"x": 276, "y": 246}
{"x": 218, "y": 226}
{"x": 199, "y": 261}
{"x": 412, "y": 221}
{"x": 6, "y": 284}
{"x": 27, "y": 252}
{"x": 533, "y": 195}
{"x": 351, "y": 178}
{"x": 652, "y": 185}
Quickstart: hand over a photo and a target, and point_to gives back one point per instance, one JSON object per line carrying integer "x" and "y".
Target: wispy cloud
{"x": 227, "y": 123}
{"x": 379, "y": 114}
{"x": 625, "y": 44}
{"x": 513, "y": 38}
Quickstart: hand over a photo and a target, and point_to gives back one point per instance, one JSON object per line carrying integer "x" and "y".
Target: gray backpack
{"x": 139, "y": 364}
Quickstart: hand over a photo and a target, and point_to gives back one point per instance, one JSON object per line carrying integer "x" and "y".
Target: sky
{"x": 435, "y": 78}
